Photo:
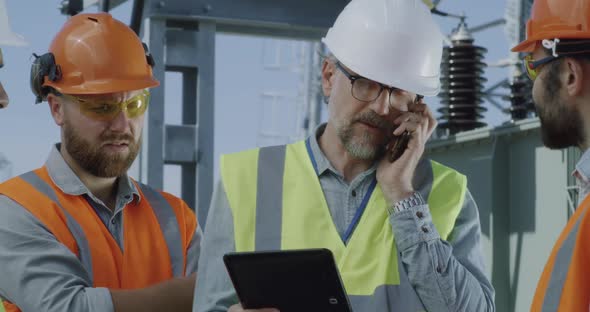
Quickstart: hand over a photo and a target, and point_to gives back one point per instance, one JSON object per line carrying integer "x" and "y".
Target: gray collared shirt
{"x": 582, "y": 174}
{"x": 37, "y": 272}
{"x": 447, "y": 275}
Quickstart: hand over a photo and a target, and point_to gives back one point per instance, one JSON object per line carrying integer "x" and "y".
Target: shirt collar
{"x": 322, "y": 162}
{"x": 582, "y": 171}
{"x": 68, "y": 182}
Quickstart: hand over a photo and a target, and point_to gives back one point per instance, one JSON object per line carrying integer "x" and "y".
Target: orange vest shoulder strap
{"x": 174, "y": 219}
{"x": 565, "y": 282}
{"x": 45, "y": 209}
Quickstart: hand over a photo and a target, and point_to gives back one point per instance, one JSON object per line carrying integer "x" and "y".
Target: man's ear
{"x": 56, "y": 108}
{"x": 327, "y": 77}
{"x": 573, "y": 76}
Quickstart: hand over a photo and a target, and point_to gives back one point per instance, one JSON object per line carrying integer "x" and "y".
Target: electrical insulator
{"x": 462, "y": 82}
{"x": 521, "y": 99}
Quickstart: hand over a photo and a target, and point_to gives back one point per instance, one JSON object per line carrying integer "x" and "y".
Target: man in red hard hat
{"x": 557, "y": 59}
{"x": 79, "y": 234}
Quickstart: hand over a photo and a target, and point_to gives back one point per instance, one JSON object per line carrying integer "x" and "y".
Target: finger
{"x": 408, "y": 117}
{"x": 236, "y": 308}
{"x": 432, "y": 122}
{"x": 402, "y": 118}
{"x": 425, "y": 125}
{"x": 412, "y": 152}
{"x": 418, "y": 108}
{"x": 411, "y": 124}
{"x": 407, "y": 126}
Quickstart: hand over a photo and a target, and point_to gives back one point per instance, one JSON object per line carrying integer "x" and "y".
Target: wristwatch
{"x": 409, "y": 202}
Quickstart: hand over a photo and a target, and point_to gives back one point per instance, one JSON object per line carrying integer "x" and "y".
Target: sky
{"x": 244, "y": 82}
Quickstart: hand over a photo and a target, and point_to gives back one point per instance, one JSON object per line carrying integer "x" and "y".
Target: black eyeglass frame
{"x": 354, "y": 78}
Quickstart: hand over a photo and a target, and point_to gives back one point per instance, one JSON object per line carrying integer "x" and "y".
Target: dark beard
{"x": 93, "y": 160}
{"x": 560, "y": 127}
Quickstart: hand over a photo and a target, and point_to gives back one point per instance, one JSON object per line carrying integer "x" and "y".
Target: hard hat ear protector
{"x": 42, "y": 66}
{"x": 148, "y": 56}
{"x": 45, "y": 65}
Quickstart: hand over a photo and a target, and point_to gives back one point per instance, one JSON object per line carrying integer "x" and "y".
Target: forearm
{"x": 173, "y": 295}
{"x": 444, "y": 278}
{"x": 214, "y": 291}
{"x": 441, "y": 281}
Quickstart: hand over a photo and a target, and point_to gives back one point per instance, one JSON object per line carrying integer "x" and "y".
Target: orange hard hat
{"x": 550, "y": 19}
{"x": 96, "y": 53}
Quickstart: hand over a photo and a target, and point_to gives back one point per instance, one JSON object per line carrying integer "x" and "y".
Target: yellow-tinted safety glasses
{"x": 532, "y": 67}
{"x": 108, "y": 109}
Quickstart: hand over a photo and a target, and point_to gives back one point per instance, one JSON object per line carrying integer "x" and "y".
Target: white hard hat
{"x": 394, "y": 42}
{"x": 7, "y": 37}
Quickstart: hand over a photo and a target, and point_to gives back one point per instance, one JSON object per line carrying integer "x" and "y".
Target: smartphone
{"x": 399, "y": 146}
{"x": 401, "y": 142}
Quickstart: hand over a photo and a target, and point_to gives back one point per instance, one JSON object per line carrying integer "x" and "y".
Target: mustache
{"x": 117, "y": 137}
{"x": 373, "y": 119}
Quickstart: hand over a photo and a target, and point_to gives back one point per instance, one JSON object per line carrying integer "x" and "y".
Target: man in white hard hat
{"x": 404, "y": 231}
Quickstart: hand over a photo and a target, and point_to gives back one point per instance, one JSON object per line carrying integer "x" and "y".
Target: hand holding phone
{"x": 400, "y": 143}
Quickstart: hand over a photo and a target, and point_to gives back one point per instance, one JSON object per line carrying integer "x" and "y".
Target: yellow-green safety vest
{"x": 278, "y": 204}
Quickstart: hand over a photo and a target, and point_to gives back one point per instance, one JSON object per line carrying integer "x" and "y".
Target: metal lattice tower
{"x": 285, "y": 118}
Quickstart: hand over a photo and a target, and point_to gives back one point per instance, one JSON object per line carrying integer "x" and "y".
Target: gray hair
{"x": 326, "y": 55}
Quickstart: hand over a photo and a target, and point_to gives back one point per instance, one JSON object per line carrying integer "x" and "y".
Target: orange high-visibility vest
{"x": 157, "y": 231}
{"x": 565, "y": 282}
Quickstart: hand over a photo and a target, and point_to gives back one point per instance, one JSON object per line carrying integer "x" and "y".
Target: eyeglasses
{"x": 532, "y": 67}
{"x": 108, "y": 109}
{"x": 367, "y": 90}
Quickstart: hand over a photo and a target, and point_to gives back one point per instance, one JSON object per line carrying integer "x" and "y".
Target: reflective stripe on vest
{"x": 74, "y": 227}
{"x": 275, "y": 194}
{"x": 565, "y": 282}
{"x": 169, "y": 227}
{"x": 154, "y": 248}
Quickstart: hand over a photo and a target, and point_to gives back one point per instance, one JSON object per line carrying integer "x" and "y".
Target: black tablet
{"x": 291, "y": 281}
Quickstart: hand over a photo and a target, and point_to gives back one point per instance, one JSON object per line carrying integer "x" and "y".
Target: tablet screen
{"x": 293, "y": 280}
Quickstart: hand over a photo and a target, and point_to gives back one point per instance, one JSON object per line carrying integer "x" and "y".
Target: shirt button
{"x": 353, "y": 193}
{"x": 127, "y": 196}
{"x": 113, "y": 221}
{"x": 425, "y": 229}
{"x": 419, "y": 214}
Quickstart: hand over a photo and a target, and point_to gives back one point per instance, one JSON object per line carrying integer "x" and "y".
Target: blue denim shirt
{"x": 447, "y": 275}
{"x": 37, "y": 272}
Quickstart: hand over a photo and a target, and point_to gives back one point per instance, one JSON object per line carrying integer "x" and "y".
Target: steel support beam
{"x": 205, "y": 115}
{"x": 155, "y": 122}
{"x": 301, "y": 19}
{"x": 188, "y": 48}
